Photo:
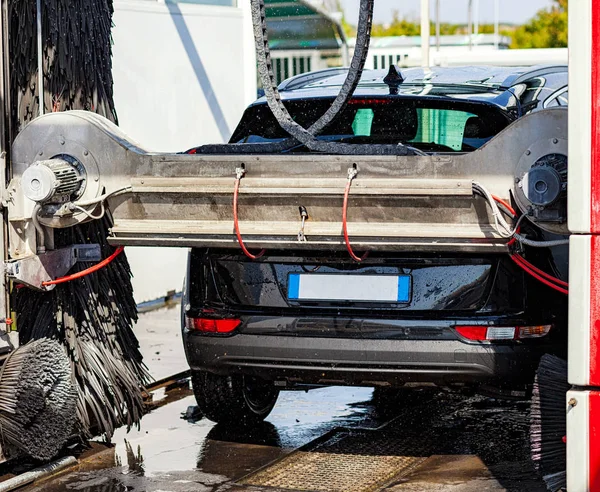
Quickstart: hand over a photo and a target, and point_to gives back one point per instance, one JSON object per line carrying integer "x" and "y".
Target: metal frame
{"x": 404, "y": 203}
{"x": 8, "y": 338}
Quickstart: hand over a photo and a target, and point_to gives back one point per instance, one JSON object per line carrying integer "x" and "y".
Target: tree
{"x": 398, "y": 27}
{"x": 548, "y": 29}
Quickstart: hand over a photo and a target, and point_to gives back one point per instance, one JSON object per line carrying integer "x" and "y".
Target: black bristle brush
{"x": 91, "y": 317}
{"x": 549, "y": 421}
{"x": 37, "y": 400}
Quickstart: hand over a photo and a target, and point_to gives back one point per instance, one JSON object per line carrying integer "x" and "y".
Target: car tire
{"x": 238, "y": 399}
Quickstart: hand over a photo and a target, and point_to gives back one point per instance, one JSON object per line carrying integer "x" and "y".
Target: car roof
{"x": 481, "y": 83}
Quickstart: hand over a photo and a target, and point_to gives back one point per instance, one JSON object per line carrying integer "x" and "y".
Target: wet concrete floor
{"x": 468, "y": 443}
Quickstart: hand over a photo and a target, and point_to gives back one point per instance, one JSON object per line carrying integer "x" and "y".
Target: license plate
{"x": 358, "y": 288}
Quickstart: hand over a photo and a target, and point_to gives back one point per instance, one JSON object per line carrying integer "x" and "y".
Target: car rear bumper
{"x": 354, "y": 361}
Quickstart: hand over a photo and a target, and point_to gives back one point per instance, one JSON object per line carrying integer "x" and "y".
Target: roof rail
{"x": 535, "y": 71}
{"x": 302, "y": 80}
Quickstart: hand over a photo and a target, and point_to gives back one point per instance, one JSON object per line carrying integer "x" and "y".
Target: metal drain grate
{"x": 341, "y": 461}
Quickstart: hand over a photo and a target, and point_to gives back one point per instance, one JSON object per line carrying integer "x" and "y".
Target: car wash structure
{"x": 72, "y": 168}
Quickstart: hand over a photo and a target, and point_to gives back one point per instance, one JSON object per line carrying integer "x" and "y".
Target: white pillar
{"x": 425, "y": 33}
{"x": 437, "y": 25}
{"x": 470, "y": 24}
{"x": 476, "y": 16}
{"x": 496, "y": 24}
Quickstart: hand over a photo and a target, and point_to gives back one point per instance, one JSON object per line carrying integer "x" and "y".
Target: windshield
{"x": 429, "y": 125}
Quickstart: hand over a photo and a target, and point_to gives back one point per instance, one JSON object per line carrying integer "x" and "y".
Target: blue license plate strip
{"x": 354, "y": 288}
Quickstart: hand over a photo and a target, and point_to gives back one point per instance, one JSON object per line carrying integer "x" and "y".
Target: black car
{"x": 294, "y": 318}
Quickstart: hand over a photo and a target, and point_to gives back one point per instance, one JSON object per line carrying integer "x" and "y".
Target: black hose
{"x": 298, "y": 133}
{"x": 281, "y": 113}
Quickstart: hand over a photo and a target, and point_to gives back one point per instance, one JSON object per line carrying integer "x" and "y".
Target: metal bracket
{"x": 34, "y": 270}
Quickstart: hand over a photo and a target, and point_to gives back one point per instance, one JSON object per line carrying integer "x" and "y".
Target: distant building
{"x": 406, "y": 50}
{"x": 304, "y": 35}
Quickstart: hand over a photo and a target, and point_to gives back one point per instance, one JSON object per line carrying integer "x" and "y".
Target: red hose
{"x": 545, "y": 281}
{"x": 87, "y": 271}
{"x": 506, "y": 204}
{"x": 345, "y": 225}
{"x": 236, "y": 225}
{"x": 541, "y": 272}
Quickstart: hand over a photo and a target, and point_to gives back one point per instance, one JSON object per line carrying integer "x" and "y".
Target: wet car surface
{"x": 463, "y": 442}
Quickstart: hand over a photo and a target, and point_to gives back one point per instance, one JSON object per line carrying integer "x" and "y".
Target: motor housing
{"x": 541, "y": 186}
{"x": 55, "y": 180}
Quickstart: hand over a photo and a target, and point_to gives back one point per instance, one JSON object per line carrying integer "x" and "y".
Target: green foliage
{"x": 548, "y": 29}
{"x": 398, "y": 27}
{"x": 402, "y": 26}
{"x": 348, "y": 28}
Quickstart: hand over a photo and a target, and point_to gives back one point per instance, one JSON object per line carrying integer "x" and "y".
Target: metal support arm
{"x": 410, "y": 203}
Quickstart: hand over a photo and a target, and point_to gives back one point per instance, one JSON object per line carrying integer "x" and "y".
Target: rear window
{"x": 430, "y": 125}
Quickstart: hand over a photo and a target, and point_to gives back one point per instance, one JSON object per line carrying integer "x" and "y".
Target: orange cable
{"x": 236, "y": 225}
{"x": 345, "y": 225}
{"x": 87, "y": 271}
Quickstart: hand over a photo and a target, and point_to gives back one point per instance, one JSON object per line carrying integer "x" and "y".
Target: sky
{"x": 455, "y": 11}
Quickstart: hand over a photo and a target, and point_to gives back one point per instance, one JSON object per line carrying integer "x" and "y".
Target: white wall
{"x": 183, "y": 75}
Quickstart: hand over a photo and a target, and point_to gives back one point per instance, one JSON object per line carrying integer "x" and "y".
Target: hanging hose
{"x": 352, "y": 173}
{"x": 280, "y": 112}
{"x": 87, "y": 271}
{"x": 239, "y": 174}
{"x": 297, "y": 133}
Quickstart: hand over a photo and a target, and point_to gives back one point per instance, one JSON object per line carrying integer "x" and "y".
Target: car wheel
{"x": 238, "y": 399}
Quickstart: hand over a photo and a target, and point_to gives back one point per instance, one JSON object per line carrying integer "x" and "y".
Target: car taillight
{"x": 534, "y": 331}
{"x": 472, "y": 332}
{"x": 207, "y": 325}
{"x": 494, "y": 333}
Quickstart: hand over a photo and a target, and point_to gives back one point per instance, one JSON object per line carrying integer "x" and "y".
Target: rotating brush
{"x": 91, "y": 317}
{"x": 37, "y": 400}
{"x": 549, "y": 421}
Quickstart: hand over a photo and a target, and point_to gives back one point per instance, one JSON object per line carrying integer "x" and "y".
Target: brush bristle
{"x": 92, "y": 317}
{"x": 37, "y": 400}
{"x": 549, "y": 421}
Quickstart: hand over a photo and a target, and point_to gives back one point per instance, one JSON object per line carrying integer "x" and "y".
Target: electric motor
{"x": 53, "y": 181}
{"x": 541, "y": 186}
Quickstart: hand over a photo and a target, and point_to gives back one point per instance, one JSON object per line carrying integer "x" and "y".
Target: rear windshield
{"x": 435, "y": 126}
